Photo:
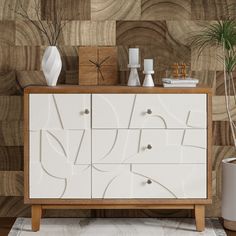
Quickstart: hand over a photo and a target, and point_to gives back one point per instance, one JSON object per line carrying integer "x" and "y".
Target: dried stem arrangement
{"x": 49, "y": 28}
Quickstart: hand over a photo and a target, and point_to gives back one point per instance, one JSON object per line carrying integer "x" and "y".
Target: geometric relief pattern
{"x": 170, "y": 142}
{"x": 60, "y": 148}
{"x": 149, "y": 111}
{"x": 180, "y": 181}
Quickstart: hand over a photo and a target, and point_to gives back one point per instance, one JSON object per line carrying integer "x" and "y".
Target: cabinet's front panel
{"x": 149, "y": 111}
{"x": 60, "y": 146}
{"x": 59, "y": 111}
{"x": 149, "y": 146}
{"x": 176, "y": 181}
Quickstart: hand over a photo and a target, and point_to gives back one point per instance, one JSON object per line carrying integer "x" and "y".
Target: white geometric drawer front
{"x": 112, "y": 110}
{"x": 149, "y": 146}
{"x": 56, "y": 158}
{"x": 149, "y": 111}
{"x": 149, "y": 181}
{"x": 169, "y": 111}
{"x": 59, "y": 111}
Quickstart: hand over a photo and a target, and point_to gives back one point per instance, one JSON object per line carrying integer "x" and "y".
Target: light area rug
{"x": 116, "y": 226}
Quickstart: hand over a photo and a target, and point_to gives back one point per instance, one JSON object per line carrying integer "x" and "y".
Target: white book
{"x": 166, "y": 85}
{"x": 180, "y": 81}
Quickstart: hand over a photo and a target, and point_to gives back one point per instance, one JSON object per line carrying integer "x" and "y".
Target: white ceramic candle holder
{"x": 148, "y": 81}
{"x": 133, "y": 76}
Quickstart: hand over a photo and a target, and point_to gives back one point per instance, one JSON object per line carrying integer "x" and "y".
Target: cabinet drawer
{"x": 176, "y": 181}
{"x": 59, "y": 164}
{"x": 149, "y": 146}
{"x": 59, "y": 111}
{"x": 149, "y": 111}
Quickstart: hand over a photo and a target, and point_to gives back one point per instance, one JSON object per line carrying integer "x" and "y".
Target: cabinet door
{"x": 59, "y": 146}
{"x": 59, "y": 111}
{"x": 149, "y": 111}
{"x": 149, "y": 146}
{"x": 149, "y": 181}
{"x": 60, "y": 164}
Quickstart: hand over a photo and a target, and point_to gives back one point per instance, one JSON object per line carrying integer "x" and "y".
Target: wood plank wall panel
{"x": 11, "y": 183}
{"x": 116, "y": 10}
{"x": 161, "y": 30}
{"x": 166, "y": 10}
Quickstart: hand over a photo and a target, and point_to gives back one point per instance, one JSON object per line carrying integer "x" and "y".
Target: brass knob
{"x": 86, "y": 111}
{"x": 149, "y": 181}
{"x": 149, "y": 111}
{"x": 149, "y": 146}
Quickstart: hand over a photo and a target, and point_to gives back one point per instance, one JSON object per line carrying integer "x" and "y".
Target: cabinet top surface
{"x": 114, "y": 89}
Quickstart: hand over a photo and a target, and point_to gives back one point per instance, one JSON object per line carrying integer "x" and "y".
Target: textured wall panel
{"x": 11, "y": 108}
{"x": 212, "y": 9}
{"x": 89, "y": 33}
{"x": 28, "y": 35}
{"x": 8, "y": 83}
{"x": 7, "y": 36}
{"x": 28, "y": 58}
{"x": 166, "y": 10}
{"x": 208, "y": 59}
{"x": 11, "y": 183}
{"x": 11, "y": 133}
{"x": 222, "y": 134}
{"x": 27, "y": 78}
{"x": 219, "y": 108}
{"x": 7, "y": 58}
{"x": 71, "y": 9}
{"x": 116, "y": 10}
{"x": 11, "y": 158}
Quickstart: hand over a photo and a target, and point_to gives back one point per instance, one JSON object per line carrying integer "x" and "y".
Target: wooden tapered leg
{"x": 200, "y": 217}
{"x": 36, "y": 214}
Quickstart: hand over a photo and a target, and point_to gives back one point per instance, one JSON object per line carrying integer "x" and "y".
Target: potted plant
{"x": 222, "y": 35}
{"x": 50, "y": 30}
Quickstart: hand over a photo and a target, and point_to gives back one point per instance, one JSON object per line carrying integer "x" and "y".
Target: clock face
{"x": 98, "y": 66}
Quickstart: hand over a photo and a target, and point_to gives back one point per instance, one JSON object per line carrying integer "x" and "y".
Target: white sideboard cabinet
{"x": 117, "y": 147}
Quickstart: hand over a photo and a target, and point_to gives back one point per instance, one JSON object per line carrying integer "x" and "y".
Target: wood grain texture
{"x": 115, "y": 10}
{"x": 221, "y": 134}
{"x": 28, "y": 58}
{"x": 27, "y": 78}
{"x": 11, "y": 133}
{"x": 8, "y": 83}
{"x": 212, "y": 9}
{"x": 166, "y": 10}
{"x": 219, "y": 108}
{"x": 7, "y": 58}
{"x": 72, "y": 9}
{"x": 101, "y": 33}
{"x": 13, "y": 207}
{"x": 220, "y": 87}
{"x": 7, "y": 13}
{"x": 7, "y": 36}
{"x": 206, "y": 77}
{"x": 69, "y": 56}
{"x": 28, "y": 35}
{"x": 11, "y": 183}
{"x": 11, "y": 108}
{"x": 11, "y": 158}
{"x": 207, "y": 60}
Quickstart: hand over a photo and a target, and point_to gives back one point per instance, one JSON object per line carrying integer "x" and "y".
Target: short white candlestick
{"x": 148, "y": 81}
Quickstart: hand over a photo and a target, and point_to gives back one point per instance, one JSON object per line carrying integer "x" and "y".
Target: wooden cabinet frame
{"x": 39, "y": 204}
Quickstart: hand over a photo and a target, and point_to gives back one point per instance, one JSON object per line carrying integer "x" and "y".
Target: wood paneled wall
{"x": 159, "y": 28}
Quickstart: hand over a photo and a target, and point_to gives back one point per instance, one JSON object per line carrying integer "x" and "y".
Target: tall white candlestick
{"x": 148, "y": 65}
{"x": 133, "y": 56}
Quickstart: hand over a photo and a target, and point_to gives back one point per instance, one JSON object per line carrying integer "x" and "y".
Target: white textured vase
{"x": 51, "y": 65}
{"x": 229, "y": 190}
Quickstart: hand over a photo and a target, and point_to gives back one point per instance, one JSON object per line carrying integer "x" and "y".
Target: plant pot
{"x": 51, "y": 65}
{"x": 229, "y": 193}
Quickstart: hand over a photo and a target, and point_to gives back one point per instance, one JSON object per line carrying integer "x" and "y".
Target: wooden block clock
{"x": 98, "y": 66}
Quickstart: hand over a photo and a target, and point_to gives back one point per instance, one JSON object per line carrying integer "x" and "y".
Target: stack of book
{"x": 180, "y": 83}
